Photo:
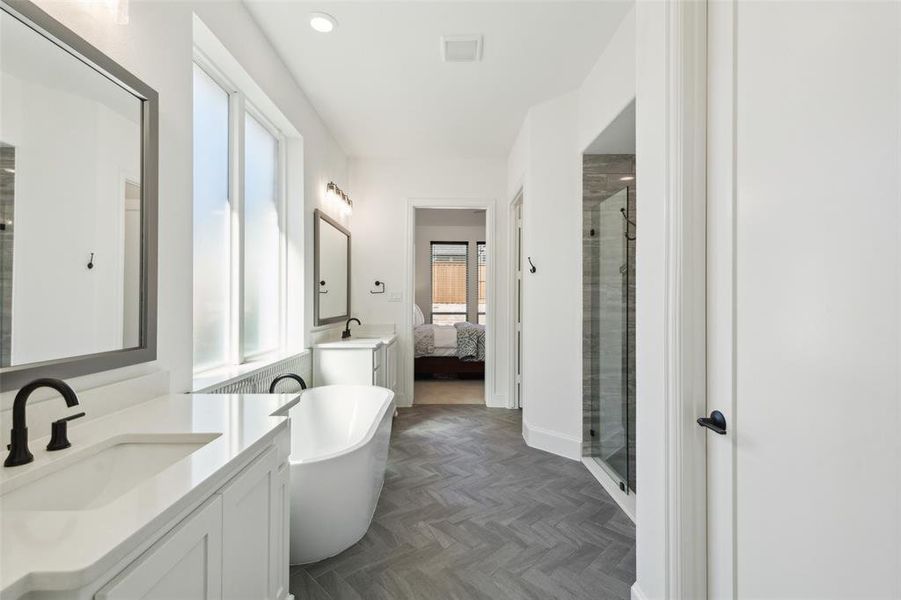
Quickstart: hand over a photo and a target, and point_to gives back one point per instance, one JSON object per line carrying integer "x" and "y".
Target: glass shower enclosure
{"x": 609, "y": 218}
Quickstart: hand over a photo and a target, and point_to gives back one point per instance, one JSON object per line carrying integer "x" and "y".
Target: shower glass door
{"x": 610, "y": 328}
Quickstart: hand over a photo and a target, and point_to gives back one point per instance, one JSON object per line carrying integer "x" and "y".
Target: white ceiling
{"x": 380, "y": 85}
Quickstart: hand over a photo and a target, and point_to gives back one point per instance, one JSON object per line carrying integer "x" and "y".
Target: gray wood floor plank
{"x": 469, "y": 512}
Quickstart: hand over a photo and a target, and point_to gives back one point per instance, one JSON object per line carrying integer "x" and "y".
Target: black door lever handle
{"x": 716, "y": 422}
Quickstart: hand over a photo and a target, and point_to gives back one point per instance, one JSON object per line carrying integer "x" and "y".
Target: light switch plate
{"x": 395, "y": 297}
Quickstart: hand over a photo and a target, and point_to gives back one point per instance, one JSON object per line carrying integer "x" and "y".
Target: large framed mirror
{"x": 78, "y": 204}
{"x": 331, "y": 270}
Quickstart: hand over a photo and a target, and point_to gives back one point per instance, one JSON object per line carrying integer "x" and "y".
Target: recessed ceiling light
{"x": 322, "y": 22}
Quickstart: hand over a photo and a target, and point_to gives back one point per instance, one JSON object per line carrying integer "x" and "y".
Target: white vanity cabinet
{"x": 186, "y": 563}
{"x": 356, "y": 362}
{"x": 194, "y": 504}
{"x": 233, "y": 546}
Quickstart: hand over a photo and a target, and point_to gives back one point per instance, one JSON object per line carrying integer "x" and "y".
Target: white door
{"x": 185, "y": 565}
{"x": 804, "y": 168}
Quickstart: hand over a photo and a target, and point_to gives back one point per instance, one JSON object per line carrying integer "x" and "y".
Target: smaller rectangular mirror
{"x": 331, "y": 300}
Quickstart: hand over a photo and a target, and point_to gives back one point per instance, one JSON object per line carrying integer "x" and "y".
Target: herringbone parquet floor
{"x": 468, "y": 511}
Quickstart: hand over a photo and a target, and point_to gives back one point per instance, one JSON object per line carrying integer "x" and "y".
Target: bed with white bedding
{"x": 435, "y": 340}
{"x": 449, "y": 350}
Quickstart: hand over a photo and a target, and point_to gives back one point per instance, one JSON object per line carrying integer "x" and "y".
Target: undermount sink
{"x": 104, "y": 475}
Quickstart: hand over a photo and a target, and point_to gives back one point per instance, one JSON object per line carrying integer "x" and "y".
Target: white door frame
{"x": 488, "y": 205}
{"x": 685, "y": 337}
{"x": 518, "y": 199}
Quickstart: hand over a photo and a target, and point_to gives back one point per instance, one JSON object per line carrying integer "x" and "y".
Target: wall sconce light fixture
{"x": 345, "y": 204}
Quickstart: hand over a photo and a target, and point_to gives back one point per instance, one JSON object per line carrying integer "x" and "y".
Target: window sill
{"x": 224, "y": 375}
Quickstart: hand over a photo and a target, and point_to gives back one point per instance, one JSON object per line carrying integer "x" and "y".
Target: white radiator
{"x": 257, "y": 381}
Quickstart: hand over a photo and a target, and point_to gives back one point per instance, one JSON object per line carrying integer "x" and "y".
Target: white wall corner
{"x": 637, "y": 594}
{"x": 552, "y": 441}
{"x": 496, "y": 401}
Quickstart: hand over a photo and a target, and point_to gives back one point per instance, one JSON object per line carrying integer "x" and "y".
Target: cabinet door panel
{"x": 185, "y": 565}
{"x": 351, "y": 366}
{"x": 391, "y": 366}
{"x": 281, "y": 511}
{"x": 249, "y": 523}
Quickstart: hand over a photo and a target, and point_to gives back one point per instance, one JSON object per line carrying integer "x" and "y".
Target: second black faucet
{"x": 346, "y": 333}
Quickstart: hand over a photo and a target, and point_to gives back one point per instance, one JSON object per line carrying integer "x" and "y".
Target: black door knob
{"x": 716, "y": 422}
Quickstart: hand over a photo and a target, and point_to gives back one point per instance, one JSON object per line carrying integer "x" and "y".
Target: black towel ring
{"x": 380, "y": 287}
{"x": 91, "y": 261}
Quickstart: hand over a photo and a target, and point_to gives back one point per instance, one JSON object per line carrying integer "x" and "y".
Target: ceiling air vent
{"x": 461, "y": 48}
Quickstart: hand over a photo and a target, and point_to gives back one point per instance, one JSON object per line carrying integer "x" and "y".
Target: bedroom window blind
{"x": 482, "y": 264}
{"x": 449, "y": 282}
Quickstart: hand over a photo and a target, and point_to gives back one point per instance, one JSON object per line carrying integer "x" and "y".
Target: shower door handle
{"x": 716, "y": 422}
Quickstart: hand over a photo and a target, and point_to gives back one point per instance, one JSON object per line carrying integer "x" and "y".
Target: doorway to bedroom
{"x": 450, "y": 305}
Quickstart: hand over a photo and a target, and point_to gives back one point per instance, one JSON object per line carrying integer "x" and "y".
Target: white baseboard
{"x": 497, "y": 401}
{"x": 637, "y": 594}
{"x": 625, "y": 501}
{"x": 552, "y": 441}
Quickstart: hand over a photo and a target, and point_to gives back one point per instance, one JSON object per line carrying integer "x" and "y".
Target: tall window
{"x": 449, "y": 282}
{"x": 211, "y": 222}
{"x": 482, "y": 266}
{"x": 237, "y": 228}
{"x": 261, "y": 239}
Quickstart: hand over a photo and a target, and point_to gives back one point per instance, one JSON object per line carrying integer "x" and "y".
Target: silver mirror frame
{"x": 68, "y": 41}
{"x": 320, "y": 216}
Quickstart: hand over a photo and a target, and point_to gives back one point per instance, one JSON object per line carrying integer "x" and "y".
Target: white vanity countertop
{"x": 370, "y": 342}
{"x": 63, "y": 549}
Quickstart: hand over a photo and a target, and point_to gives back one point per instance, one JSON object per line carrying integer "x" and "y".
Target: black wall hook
{"x": 378, "y": 284}
{"x": 532, "y": 268}
{"x": 91, "y": 262}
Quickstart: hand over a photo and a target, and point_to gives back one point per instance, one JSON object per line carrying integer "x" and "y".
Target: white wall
{"x": 546, "y": 161}
{"x": 382, "y": 190}
{"x": 650, "y": 299}
{"x": 436, "y": 225}
{"x": 156, "y": 46}
{"x": 552, "y": 296}
{"x": 610, "y": 86}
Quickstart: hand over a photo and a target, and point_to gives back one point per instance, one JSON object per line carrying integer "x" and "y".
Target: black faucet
{"x": 346, "y": 333}
{"x": 297, "y": 378}
{"x": 18, "y": 446}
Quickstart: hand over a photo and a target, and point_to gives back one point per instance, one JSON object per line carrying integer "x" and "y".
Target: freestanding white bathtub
{"x": 339, "y": 450}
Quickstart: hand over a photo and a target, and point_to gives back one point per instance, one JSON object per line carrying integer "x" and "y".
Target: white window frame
{"x": 466, "y": 310}
{"x": 478, "y": 281}
{"x": 238, "y": 107}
